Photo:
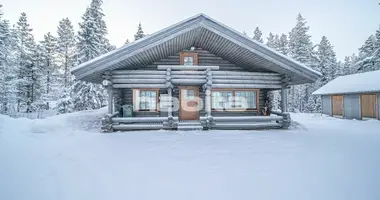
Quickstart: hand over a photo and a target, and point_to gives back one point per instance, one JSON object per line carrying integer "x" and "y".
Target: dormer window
{"x": 188, "y": 58}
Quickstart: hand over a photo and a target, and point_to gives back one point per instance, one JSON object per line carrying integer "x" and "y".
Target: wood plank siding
{"x": 368, "y": 105}
{"x": 337, "y": 105}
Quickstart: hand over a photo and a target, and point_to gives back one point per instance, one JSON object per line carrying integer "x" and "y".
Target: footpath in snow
{"x": 66, "y": 157}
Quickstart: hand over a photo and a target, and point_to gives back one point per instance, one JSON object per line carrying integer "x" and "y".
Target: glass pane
{"x": 188, "y": 60}
{"x": 188, "y": 94}
{"x": 148, "y": 100}
{"x": 221, "y": 99}
{"x": 245, "y": 98}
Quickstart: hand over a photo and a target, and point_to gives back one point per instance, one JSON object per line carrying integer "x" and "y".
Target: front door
{"x": 189, "y": 103}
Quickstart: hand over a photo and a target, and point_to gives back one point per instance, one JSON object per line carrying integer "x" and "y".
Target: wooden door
{"x": 189, "y": 103}
{"x": 368, "y": 105}
{"x": 188, "y": 58}
{"x": 337, "y": 105}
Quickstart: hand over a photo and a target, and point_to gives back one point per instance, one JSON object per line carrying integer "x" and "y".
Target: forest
{"x": 35, "y": 75}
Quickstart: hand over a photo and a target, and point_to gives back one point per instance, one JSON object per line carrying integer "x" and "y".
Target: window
{"x": 234, "y": 99}
{"x": 188, "y": 58}
{"x": 145, "y": 100}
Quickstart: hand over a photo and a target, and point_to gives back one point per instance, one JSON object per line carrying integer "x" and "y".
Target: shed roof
{"x": 200, "y": 31}
{"x": 355, "y": 83}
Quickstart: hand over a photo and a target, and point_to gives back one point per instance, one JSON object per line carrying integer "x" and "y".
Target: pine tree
{"x": 127, "y": 41}
{"x": 282, "y": 45}
{"x": 140, "y": 33}
{"x": 27, "y": 76}
{"x": 271, "y": 41}
{"x": 369, "y": 54}
{"x": 300, "y": 49}
{"x": 65, "y": 50}
{"x": 257, "y": 35}
{"x": 92, "y": 42}
{"x": 6, "y": 73}
{"x": 49, "y": 46}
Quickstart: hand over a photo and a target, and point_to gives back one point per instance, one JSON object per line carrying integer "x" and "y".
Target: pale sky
{"x": 346, "y": 23}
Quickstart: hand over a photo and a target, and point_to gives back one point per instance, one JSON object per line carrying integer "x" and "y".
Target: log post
{"x": 207, "y": 88}
{"x": 107, "y": 83}
{"x": 284, "y": 94}
{"x": 170, "y": 94}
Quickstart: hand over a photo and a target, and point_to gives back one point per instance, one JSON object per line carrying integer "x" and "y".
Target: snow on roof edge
{"x": 350, "y": 84}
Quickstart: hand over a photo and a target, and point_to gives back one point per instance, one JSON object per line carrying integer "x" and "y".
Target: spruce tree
{"x": 300, "y": 49}
{"x": 282, "y": 45}
{"x": 257, "y": 35}
{"x": 92, "y": 42}
{"x": 140, "y": 33}
{"x": 27, "y": 75}
{"x": 65, "y": 50}
{"x": 271, "y": 41}
{"x": 127, "y": 41}
{"x": 49, "y": 46}
{"x": 6, "y": 67}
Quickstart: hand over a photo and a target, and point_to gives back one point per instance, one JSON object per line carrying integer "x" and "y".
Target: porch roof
{"x": 200, "y": 31}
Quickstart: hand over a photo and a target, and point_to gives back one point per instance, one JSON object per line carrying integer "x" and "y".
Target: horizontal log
{"x": 246, "y": 86}
{"x": 247, "y": 77}
{"x": 137, "y": 72}
{"x": 139, "y": 86}
{"x": 188, "y": 81}
{"x": 188, "y": 72}
{"x": 186, "y": 67}
{"x": 248, "y": 118}
{"x": 269, "y": 125}
{"x": 139, "y": 76}
{"x": 188, "y": 76}
{"x": 125, "y": 127}
{"x": 138, "y": 119}
{"x": 139, "y": 81}
{"x": 224, "y": 81}
{"x": 245, "y": 73}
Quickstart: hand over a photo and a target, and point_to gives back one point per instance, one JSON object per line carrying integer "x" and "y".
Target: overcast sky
{"x": 346, "y": 23}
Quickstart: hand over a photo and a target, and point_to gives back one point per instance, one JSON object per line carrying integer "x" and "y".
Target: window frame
{"x": 182, "y": 55}
{"x": 136, "y": 108}
{"x": 233, "y": 90}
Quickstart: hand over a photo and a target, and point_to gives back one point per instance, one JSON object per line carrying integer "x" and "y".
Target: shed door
{"x": 368, "y": 105}
{"x": 337, "y": 105}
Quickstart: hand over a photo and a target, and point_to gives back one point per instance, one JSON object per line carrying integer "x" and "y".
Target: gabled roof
{"x": 355, "y": 83}
{"x": 200, "y": 31}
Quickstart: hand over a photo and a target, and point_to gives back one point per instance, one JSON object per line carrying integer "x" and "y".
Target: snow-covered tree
{"x": 271, "y": 41}
{"x": 92, "y": 42}
{"x": 6, "y": 66}
{"x": 65, "y": 50}
{"x": 282, "y": 45}
{"x": 49, "y": 46}
{"x": 127, "y": 41}
{"x": 300, "y": 49}
{"x": 140, "y": 33}
{"x": 257, "y": 35}
{"x": 28, "y": 72}
{"x": 369, "y": 54}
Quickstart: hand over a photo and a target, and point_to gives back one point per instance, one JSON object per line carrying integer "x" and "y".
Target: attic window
{"x": 188, "y": 58}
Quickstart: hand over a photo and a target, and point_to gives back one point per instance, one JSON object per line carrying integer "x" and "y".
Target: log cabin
{"x": 198, "y": 74}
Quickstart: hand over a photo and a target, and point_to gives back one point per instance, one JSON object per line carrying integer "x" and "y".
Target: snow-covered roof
{"x": 355, "y": 83}
{"x": 200, "y": 31}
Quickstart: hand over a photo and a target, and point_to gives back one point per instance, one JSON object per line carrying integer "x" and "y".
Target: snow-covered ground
{"x": 66, "y": 157}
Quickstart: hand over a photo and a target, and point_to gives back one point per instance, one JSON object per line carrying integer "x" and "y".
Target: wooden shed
{"x": 355, "y": 96}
